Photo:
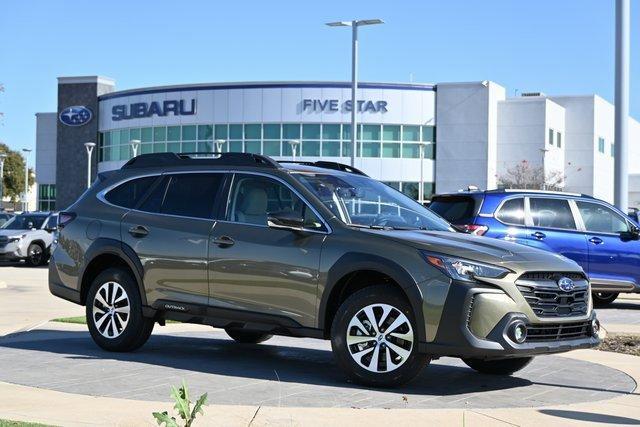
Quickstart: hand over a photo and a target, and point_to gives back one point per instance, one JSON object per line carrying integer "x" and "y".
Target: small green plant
{"x": 183, "y": 406}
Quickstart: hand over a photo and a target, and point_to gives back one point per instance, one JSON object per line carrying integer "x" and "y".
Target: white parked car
{"x": 28, "y": 237}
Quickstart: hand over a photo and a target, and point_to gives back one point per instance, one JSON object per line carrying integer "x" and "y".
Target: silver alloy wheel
{"x": 35, "y": 254}
{"x": 380, "y": 338}
{"x": 111, "y": 310}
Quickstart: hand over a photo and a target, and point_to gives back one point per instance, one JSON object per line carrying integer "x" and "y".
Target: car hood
{"x": 517, "y": 257}
{"x": 11, "y": 233}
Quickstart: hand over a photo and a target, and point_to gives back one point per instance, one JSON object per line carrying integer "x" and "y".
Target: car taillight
{"x": 478, "y": 230}
{"x": 65, "y": 218}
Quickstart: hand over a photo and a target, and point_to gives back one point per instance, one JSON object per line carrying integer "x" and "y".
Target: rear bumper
{"x": 455, "y": 339}
{"x": 58, "y": 289}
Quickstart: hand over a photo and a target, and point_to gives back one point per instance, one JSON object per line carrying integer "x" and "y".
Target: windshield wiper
{"x": 371, "y": 227}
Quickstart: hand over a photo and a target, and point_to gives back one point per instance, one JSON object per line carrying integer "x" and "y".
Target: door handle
{"x": 139, "y": 231}
{"x": 538, "y": 235}
{"x": 596, "y": 240}
{"x": 223, "y": 241}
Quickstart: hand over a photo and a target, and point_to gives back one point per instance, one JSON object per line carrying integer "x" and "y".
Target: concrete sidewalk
{"x": 57, "y": 408}
{"x": 25, "y": 301}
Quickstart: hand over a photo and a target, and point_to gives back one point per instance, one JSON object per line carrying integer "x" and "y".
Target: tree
{"x": 525, "y": 176}
{"x": 13, "y": 179}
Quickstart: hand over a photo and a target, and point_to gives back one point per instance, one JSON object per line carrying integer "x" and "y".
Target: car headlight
{"x": 16, "y": 238}
{"x": 463, "y": 269}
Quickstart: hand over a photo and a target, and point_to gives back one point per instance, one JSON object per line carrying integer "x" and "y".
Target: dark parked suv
{"x": 256, "y": 247}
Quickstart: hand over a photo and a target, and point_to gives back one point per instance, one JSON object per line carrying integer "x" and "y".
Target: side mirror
{"x": 285, "y": 220}
{"x": 51, "y": 229}
{"x": 632, "y": 234}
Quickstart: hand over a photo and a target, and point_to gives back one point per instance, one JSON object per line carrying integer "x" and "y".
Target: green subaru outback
{"x": 242, "y": 242}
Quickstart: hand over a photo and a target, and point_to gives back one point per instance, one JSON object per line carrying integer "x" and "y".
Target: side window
{"x": 192, "y": 194}
{"x": 552, "y": 213}
{"x": 601, "y": 219}
{"x": 253, "y": 198}
{"x": 153, "y": 202}
{"x": 129, "y": 193}
{"x": 512, "y": 212}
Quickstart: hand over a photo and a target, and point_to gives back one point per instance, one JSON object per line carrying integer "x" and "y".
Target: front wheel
{"x": 114, "y": 312}
{"x": 498, "y": 366}
{"x": 35, "y": 255}
{"x": 603, "y": 299}
{"x": 374, "y": 338}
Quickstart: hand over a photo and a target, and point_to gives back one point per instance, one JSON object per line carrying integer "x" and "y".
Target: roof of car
{"x": 513, "y": 191}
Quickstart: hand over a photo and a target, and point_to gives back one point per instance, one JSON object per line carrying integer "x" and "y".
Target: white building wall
{"x": 579, "y": 142}
{"x": 523, "y": 134}
{"x": 467, "y": 134}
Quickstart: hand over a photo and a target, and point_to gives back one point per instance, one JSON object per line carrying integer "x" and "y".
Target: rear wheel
{"x": 374, "y": 338}
{"x": 603, "y": 299}
{"x": 114, "y": 312}
{"x": 247, "y": 337}
{"x": 498, "y": 366}
{"x": 36, "y": 255}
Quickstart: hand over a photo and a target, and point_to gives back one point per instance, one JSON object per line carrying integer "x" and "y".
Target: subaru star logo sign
{"x": 77, "y": 115}
{"x": 566, "y": 284}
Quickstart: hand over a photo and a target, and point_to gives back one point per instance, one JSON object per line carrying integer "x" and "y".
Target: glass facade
{"x": 47, "y": 197}
{"x": 271, "y": 139}
{"x": 325, "y": 140}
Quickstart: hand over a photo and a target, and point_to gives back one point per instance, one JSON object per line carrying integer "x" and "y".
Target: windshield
{"x": 24, "y": 222}
{"x": 361, "y": 201}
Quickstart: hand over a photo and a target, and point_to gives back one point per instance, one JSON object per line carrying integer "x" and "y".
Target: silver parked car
{"x": 28, "y": 237}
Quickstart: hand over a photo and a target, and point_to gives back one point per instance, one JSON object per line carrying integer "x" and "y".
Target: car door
{"x": 169, "y": 231}
{"x": 614, "y": 255}
{"x": 509, "y": 222}
{"x": 260, "y": 269}
{"x": 551, "y": 225}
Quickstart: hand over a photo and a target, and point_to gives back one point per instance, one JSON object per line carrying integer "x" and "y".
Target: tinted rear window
{"x": 456, "y": 209}
{"x": 129, "y": 193}
{"x": 192, "y": 195}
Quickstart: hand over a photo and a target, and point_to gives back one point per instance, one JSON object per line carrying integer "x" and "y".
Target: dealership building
{"x": 446, "y": 136}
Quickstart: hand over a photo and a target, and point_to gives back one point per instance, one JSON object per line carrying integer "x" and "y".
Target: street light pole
{"x": 423, "y": 146}
{"x": 294, "y": 145}
{"x": 354, "y": 74}
{"x": 135, "y": 143}
{"x": 621, "y": 147}
{"x": 25, "y": 206}
{"x": 219, "y": 145}
{"x": 2, "y": 157}
{"x": 89, "y": 146}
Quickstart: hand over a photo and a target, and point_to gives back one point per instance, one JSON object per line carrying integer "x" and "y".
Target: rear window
{"x": 456, "y": 209}
{"x": 129, "y": 193}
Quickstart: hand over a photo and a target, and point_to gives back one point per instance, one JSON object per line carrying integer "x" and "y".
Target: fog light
{"x": 518, "y": 331}
{"x": 595, "y": 327}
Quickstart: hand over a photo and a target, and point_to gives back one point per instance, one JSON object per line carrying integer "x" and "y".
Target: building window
{"x": 272, "y": 139}
{"x": 613, "y": 150}
{"x": 601, "y": 145}
{"x": 47, "y": 197}
{"x": 550, "y": 136}
{"x": 559, "y": 139}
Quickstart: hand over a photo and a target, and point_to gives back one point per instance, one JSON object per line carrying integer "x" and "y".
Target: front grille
{"x": 546, "y": 299}
{"x": 558, "y": 331}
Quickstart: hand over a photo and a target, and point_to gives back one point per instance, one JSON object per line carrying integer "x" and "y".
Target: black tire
{"x": 247, "y": 337}
{"x": 603, "y": 299}
{"x": 498, "y": 366}
{"x": 410, "y": 366}
{"x": 136, "y": 330}
{"x": 36, "y": 255}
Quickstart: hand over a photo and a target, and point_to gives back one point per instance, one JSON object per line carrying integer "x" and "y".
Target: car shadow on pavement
{"x": 619, "y": 305}
{"x": 221, "y": 356}
{"x": 590, "y": 417}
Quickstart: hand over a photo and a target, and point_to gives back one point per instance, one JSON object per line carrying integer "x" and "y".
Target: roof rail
{"x": 327, "y": 165}
{"x": 207, "y": 159}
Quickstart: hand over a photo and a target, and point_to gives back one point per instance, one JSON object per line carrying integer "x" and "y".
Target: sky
{"x": 556, "y": 47}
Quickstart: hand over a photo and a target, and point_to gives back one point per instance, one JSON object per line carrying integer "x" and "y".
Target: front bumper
{"x": 454, "y": 337}
{"x": 11, "y": 251}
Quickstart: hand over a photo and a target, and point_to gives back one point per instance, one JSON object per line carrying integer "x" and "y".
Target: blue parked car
{"x": 595, "y": 234}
